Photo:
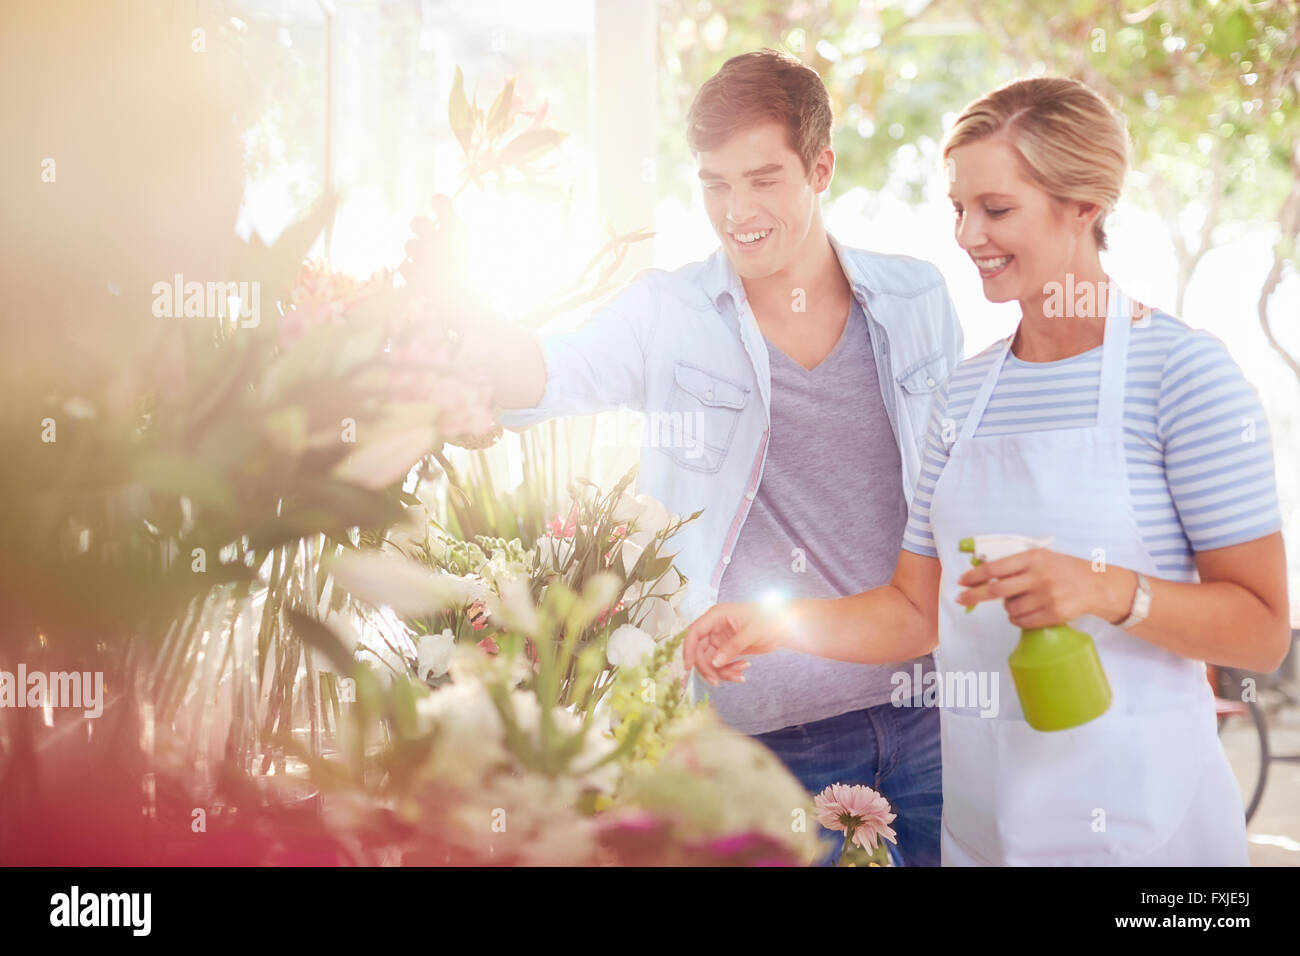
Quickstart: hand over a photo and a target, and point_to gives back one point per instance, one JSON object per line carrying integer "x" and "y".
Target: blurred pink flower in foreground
{"x": 858, "y": 811}
{"x": 320, "y": 296}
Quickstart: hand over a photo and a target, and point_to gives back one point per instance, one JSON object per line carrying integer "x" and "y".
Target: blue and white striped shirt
{"x": 1200, "y": 460}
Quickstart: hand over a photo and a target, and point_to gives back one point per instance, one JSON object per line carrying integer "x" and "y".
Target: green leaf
{"x": 174, "y": 473}
{"x": 528, "y": 146}
{"x": 386, "y": 457}
{"x": 274, "y": 267}
{"x": 458, "y": 114}
{"x": 502, "y": 112}
{"x": 655, "y": 569}
{"x": 410, "y": 589}
{"x": 317, "y": 635}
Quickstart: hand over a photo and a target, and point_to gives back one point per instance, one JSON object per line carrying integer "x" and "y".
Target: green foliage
{"x": 1209, "y": 89}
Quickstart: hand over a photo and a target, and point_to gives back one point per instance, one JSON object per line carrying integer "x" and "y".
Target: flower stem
{"x": 844, "y": 850}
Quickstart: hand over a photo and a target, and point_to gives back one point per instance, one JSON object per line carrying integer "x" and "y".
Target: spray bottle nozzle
{"x": 991, "y": 547}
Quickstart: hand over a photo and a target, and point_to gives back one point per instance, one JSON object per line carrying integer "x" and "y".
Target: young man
{"x": 797, "y": 375}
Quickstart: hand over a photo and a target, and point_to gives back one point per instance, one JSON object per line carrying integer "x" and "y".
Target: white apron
{"x": 1147, "y": 783}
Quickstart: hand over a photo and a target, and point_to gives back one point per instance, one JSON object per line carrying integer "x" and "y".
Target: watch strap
{"x": 1141, "y": 603}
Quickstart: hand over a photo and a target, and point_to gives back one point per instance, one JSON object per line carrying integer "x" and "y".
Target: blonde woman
{"x": 1117, "y": 432}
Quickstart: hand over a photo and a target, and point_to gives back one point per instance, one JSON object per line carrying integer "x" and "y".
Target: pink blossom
{"x": 538, "y": 115}
{"x": 320, "y": 296}
{"x": 478, "y": 617}
{"x": 630, "y": 821}
{"x": 618, "y": 534}
{"x": 856, "y": 810}
{"x": 606, "y": 614}
{"x": 559, "y": 528}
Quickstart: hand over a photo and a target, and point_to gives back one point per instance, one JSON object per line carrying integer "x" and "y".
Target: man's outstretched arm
{"x": 599, "y": 366}
{"x": 510, "y": 357}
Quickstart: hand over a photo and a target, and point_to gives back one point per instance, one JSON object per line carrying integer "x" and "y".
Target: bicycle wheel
{"x": 1245, "y": 740}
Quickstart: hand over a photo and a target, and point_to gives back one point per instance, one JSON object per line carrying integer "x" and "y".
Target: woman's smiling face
{"x": 1020, "y": 237}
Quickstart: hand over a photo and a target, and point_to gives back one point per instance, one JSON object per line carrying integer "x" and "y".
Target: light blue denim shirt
{"x": 684, "y": 347}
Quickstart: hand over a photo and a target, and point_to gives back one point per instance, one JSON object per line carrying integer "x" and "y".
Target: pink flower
{"x": 629, "y": 821}
{"x": 559, "y": 528}
{"x": 538, "y": 115}
{"x": 478, "y": 616}
{"x": 605, "y": 615}
{"x": 858, "y": 811}
{"x": 489, "y": 645}
{"x": 618, "y": 534}
{"x": 320, "y": 296}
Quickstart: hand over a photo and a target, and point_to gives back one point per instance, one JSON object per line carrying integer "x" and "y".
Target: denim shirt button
{"x": 726, "y": 559}
{"x": 749, "y": 495}
{"x": 709, "y": 394}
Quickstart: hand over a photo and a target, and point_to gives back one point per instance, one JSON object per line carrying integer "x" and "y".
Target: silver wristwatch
{"x": 1141, "y": 603}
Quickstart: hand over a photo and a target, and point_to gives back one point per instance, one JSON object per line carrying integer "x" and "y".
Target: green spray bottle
{"x": 1056, "y": 670}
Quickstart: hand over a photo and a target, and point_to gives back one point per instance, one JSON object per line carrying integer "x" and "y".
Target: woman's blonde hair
{"x": 1068, "y": 140}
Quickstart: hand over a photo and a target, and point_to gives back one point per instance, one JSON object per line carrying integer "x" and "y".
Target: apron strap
{"x": 1114, "y": 358}
{"x": 1114, "y": 367}
{"x": 986, "y": 389}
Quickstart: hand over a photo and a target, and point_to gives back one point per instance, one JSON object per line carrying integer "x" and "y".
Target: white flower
{"x": 553, "y": 551}
{"x": 434, "y": 652}
{"x": 625, "y": 509}
{"x": 643, "y": 512}
{"x": 515, "y": 606}
{"x": 658, "y": 618}
{"x": 470, "y": 742}
{"x": 629, "y": 646}
{"x": 654, "y": 517}
{"x": 475, "y": 588}
{"x": 543, "y": 828}
{"x": 498, "y": 567}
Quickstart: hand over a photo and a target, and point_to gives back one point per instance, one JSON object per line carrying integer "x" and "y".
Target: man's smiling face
{"x": 760, "y": 199}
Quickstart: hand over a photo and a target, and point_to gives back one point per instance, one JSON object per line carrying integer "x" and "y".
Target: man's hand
{"x": 509, "y": 356}
{"x": 724, "y": 633}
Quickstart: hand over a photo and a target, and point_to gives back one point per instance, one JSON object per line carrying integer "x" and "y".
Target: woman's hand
{"x": 725, "y": 632}
{"x": 1041, "y": 588}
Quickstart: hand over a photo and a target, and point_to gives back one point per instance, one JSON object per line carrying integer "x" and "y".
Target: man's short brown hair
{"x": 759, "y": 86}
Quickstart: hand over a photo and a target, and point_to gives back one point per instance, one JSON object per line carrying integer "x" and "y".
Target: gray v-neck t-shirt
{"x": 827, "y": 521}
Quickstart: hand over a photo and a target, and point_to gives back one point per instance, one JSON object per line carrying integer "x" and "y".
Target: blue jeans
{"x": 893, "y": 750}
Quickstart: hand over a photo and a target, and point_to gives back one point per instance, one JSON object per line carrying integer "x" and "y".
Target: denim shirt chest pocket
{"x": 919, "y": 381}
{"x": 703, "y": 410}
